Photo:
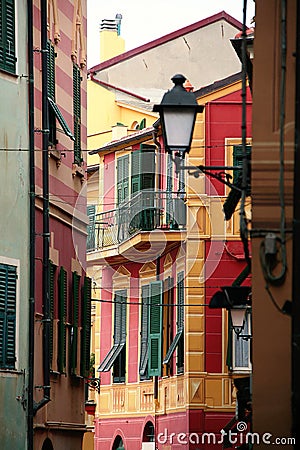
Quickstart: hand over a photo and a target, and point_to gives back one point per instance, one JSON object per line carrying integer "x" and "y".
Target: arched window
{"x": 148, "y": 435}
{"x": 47, "y": 445}
{"x": 118, "y": 444}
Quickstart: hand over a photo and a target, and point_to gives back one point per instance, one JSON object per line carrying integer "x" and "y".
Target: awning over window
{"x": 61, "y": 119}
{"x": 110, "y": 358}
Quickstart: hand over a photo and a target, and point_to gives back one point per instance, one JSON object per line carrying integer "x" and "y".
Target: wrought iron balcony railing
{"x": 146, "y": 210}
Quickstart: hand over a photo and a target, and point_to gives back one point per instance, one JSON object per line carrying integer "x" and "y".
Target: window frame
{"x": 116, "y": 357}
{"x": 11, "y": 66}
{"x": 178, "y": 341}
{"x": 6, "y": 263}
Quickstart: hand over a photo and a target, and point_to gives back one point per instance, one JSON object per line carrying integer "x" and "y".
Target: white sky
{"x": 144, "y": 21}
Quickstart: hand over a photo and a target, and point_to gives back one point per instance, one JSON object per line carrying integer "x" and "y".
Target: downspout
{"x": 296, "y": 253}
{"x": 46, "y": 234}
{"x": 31, "y": 226}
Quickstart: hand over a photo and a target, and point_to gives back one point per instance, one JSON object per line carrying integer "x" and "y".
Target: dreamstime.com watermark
{"x": 238, "y": 437}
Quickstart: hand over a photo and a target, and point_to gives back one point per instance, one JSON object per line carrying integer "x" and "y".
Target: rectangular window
{"x": 75, "y": 323}
{"x": 86, "y": 328}
{"x": 178, "y": 341}
{"x": 7, "y": 36}
{"x": 8, "y": 292}
{"x": 241, "y": 358}
{"x": 143, "y": 368}
{"x": 62, "y": 319}
{"x": 116, "y": 357}
{"x": 234, "y": 195}
{"x": 77, "y": 114}
{"x": 168, "y": 310}
{"x": 155, "y": 329}
{"x": 53, "y": 109}
{"x": 142, "y": 211}
{"x": 239, "y": 348}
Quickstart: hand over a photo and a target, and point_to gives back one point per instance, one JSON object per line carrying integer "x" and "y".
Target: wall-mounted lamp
{"x": 236, "y": 299}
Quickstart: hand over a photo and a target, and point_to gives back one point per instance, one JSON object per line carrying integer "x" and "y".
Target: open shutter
{"x": 52, "y": 269}
{"x": 74, "y": 328}
{"x": 144, "y": 332}
{"x": 7, "y": 36}
{"x": 62, "y": 311}
{"x": 86, "y": 327}
{"x": 155, "y": 329}
{"x": 77, "y": 114}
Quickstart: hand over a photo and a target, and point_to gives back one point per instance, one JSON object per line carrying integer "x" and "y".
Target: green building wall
{"x": 14, "y": 230}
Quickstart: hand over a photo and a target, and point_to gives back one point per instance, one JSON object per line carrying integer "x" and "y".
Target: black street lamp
{"x": 236, "y": 299}
{"x": 177, "y": 111}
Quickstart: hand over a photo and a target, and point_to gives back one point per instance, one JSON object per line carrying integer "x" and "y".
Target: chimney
{"x": 111, "y": 43}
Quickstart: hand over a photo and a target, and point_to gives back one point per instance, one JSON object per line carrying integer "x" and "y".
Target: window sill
{"x": 78, "y": 171}
{"x": 9, "y": 372}
{"x": 55, "y": 154}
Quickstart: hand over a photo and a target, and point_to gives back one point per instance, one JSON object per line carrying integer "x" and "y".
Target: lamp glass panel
{"x": 238, "y": 317}
{"x": 179, "y": 126}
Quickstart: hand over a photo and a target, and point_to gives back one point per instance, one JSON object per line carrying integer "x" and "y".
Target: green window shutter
{"x": 74, "y": 328}
{"x": 90, "y": 242}
{"x": 122, "y": 178}
{"x": 51, "y": 70}
{"x": 86, "y": 327}
{"x": 77, "y": 114}
{"x": 8, "y": 290}
{"x": 7, "y": 36}
{"x": 52, "y": 269}
{"x": 144, "y": 332}
{"x": 62, "y": 312}
{"x": 135, "y": 172}
{"x": 155, "y": 329}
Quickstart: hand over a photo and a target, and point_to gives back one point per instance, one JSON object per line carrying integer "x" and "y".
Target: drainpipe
{"x": 46, "y": 234}
{"x": 31, "y": 226}
{"x": 296, "y": 253}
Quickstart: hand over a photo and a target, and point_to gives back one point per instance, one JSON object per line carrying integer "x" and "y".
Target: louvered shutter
{"x": 7, "y": 36}
{"x": 86, "y": 327}
{"x": 52, "y": 269}
{"x": 155, "y": 329}
{"x": 77, "y": 114}
{"x": 135, "y": 172}
{"x": 62, "y": 311}
{"x": 51, "y": 70}
{"x": 122, "y": 178}
{"x": 144, "y": 332}
{"x": 8, "y": 289}
{"x": 74, "y": 328}
{"x": 90, "y": 243}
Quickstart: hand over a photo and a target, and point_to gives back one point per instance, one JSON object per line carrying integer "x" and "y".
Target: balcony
{"x": 159, "y": 213}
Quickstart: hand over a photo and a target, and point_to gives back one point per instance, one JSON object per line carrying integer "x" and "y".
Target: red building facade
{"x": 62, "y": 291}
